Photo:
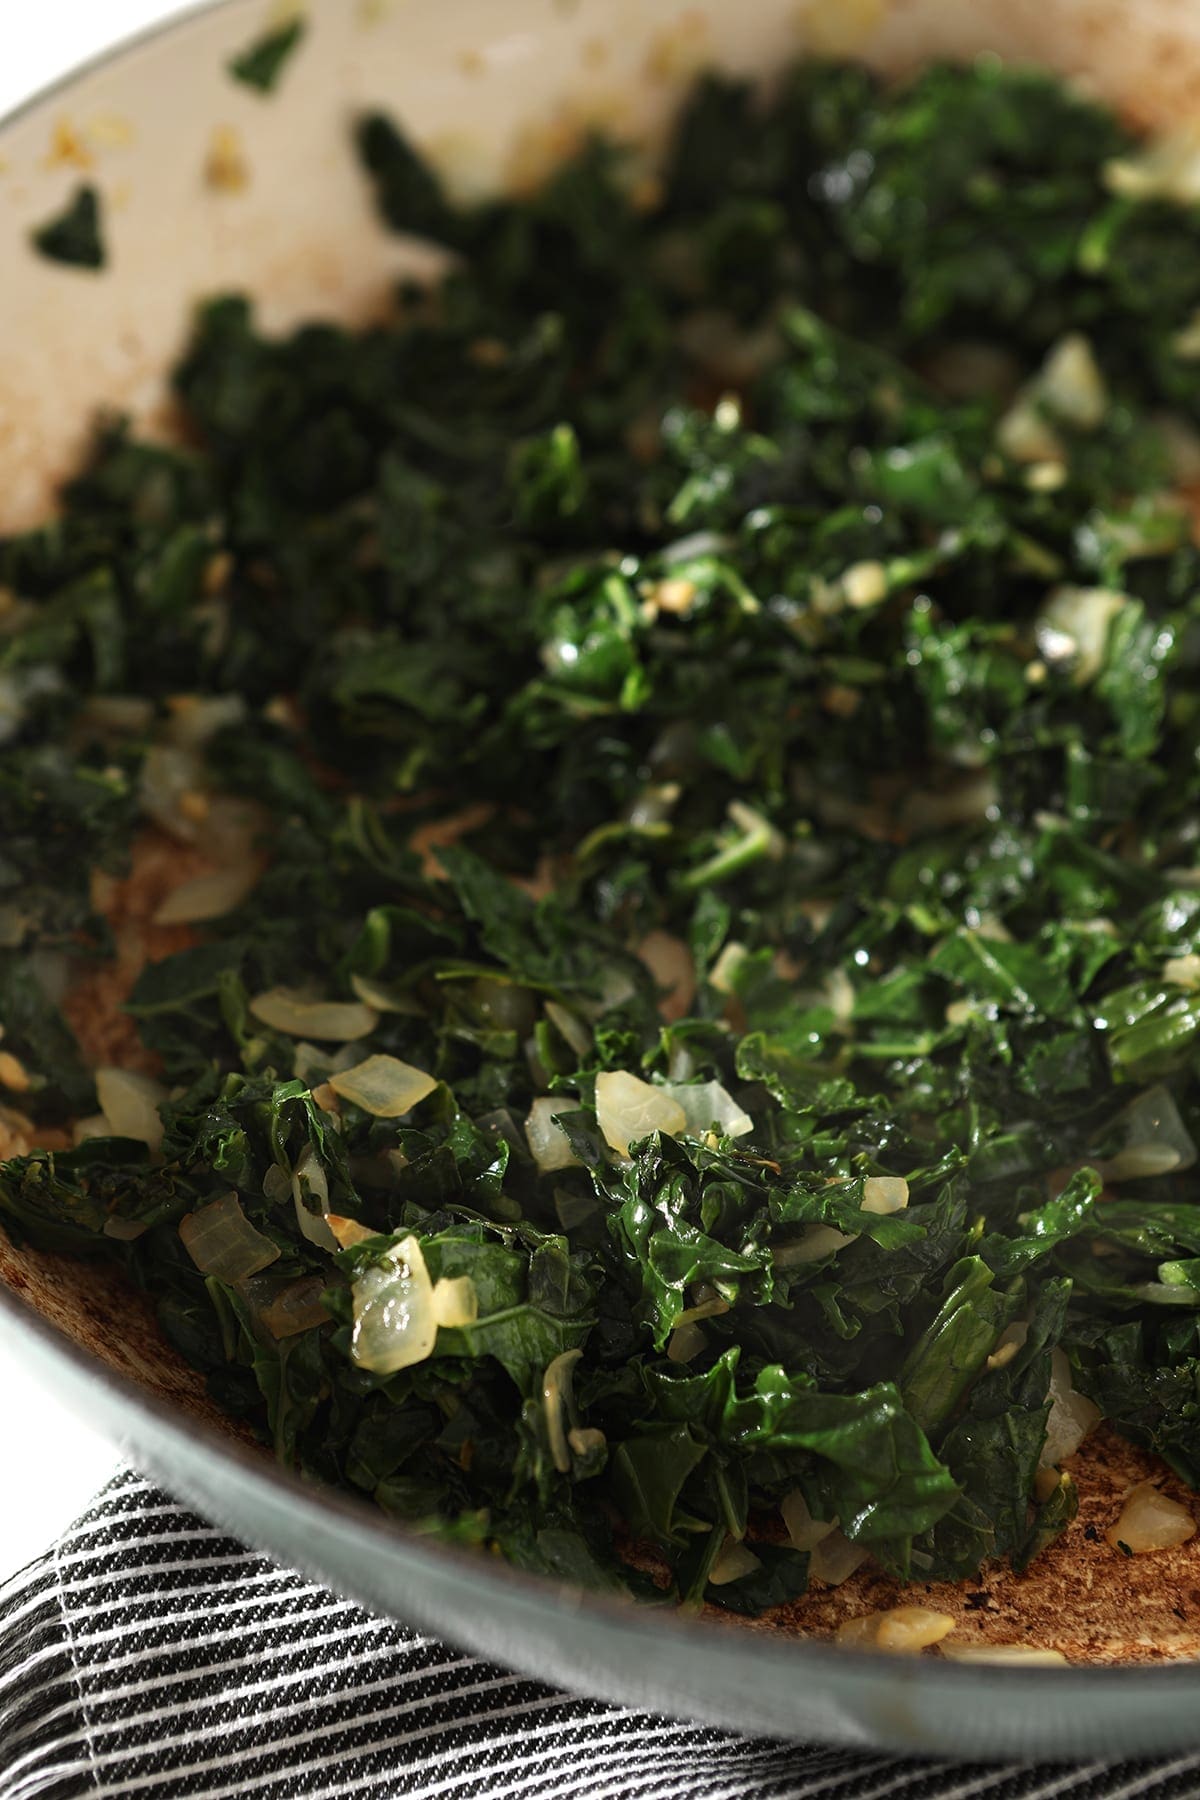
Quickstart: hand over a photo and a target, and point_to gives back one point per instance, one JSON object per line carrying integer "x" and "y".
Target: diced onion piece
{"x": 296, "y": 1308}
{"x": 687, "y": 1340}
{"x": 169, "y": 773}
{"x": 721, "y": 975}
{"x": 549, "y": 1145}
{"x": 884, "y": 1194}
{"x": 394, "y": 1324}
{"x": 706, "y": 1104}
{"x": 670, "y": 962}
{"x": 708, "y": 1305}
{"x": 858, "y": 1633}
{"x": 125, "y": 1231}
{"x": 584, "y": 1439}
{"x": 208, "y": 896}
{"x": 733, "y": 1561}
{"x": 383, "y": 1085}
{"x": 963, "y": 800}
{"x": 455, "y": 1301}
{"x": 628, "y": 1108}
{"x": 818, "y": 1242}
{"x": 298, "y": 1015}
{"x": 1167, "y": 1293}
{"x": 310, "y": 1059}
{"x": 348, "y": 1232}
{"x": 310, "y": 1195}
{"x": 864, "y": 584}
{"x": 1083, "y": 616}
{"x": 195, "y": 718}
{"x": 572, "y": 1030}
{"x": 1150, "y": 1520}
{"x": 95, "y": 1125}
{"x": 383, "y": 998}
{"x": 1141, "y": 1161}
{"x": 222, "y": 1242}
{"x": 1155, "y": 1140}
{"x": 130, "y": 1103}
{"x": 1025, "y": 436}
{"x": 558, "y": 1400}
{"x": 1005, "y": 1348}
{"x": 835, "y": 1559}
{"x": 1183, "y": 971}
{"x": 1028, "y": 1654}
{"x": 1167, "y": 168}
{"x": 1071, "y": 385}
{"x": 803, "y": 1530}
{"x": 903, "y": 1629}
{"x": 1072, "y": 1415}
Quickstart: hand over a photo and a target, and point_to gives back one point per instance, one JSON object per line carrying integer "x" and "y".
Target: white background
{"x": 42, "y": 39}
{"x": 54, "y": 1464}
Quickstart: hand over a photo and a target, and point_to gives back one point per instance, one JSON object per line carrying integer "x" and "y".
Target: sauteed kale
{"x": 714, "y": 680}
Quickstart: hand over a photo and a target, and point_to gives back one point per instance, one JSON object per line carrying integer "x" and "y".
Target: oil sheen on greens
{"x": 773, "y": 570}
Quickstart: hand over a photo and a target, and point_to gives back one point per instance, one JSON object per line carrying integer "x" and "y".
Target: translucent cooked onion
{"x": 309, "y": 1060}
{"x": 310, "y": 1195}
{"x": 348, "y": 1232}
{"x": 1155, "y": 1140}
{"x": 1071, "y": 385}
{"x": 394, "y": 1324}
{"x": 1072, "y": 1415}
{"x": 1166, "y": 168}
{"x": 706, "y": 1104}
{"x": 628, "y": 1108}
{"x": 724, "y": 971}
{"x": 1150, "y": 1520}
{"x": 223, "y": 1243}
{"x": 549, "y": 1145}
{"x": 685, "y": 1342}
{"x": 130, "y": 1103}
{"x": 906, "y": 1630}
{"x": 572, "y": 1030}
{"x": 884, "y": 1194}
{"x": 963, "y": 800}
{"x": 195, "y": 718}
{"x": 208, "y": 896}
{"x": 455, "y": 1301}
{"x": 168, "y": 773}
{"x": 733, "y": 1561}
{"x": 1183, "y": 971}
{"x": 804, "y": 1532}
{"x": 382, "y": 998}
{"x": 1074, "y": 624}
{"x": 558, "y": 1403}
{"x": 835, "y": 1559}
{"x": 297, "y": 1014}
{"x": 1026, "y": 436}
{"x": 383, "y": 1086}
{"x": 295, "y": 1308}
{"x": 818, "y": 1242}
{"x": 670, "y": 962}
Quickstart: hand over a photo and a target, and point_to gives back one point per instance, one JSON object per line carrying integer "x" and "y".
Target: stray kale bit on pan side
{"x": 262, "y": 65}
{"x": 76, "y": 235}
{"x": 680, "y": 1000}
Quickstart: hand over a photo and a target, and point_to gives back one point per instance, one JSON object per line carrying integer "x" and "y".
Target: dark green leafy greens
{"x": 781, "y": 591}
{"x": 262, "y": 65}
{"x": 76, "y": 235}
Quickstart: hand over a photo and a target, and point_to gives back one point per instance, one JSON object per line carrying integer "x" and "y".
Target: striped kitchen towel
{"x": 149, "y": 1655}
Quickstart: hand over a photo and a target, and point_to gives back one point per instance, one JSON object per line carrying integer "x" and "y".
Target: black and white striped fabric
{"x": 147, "y": 1655}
